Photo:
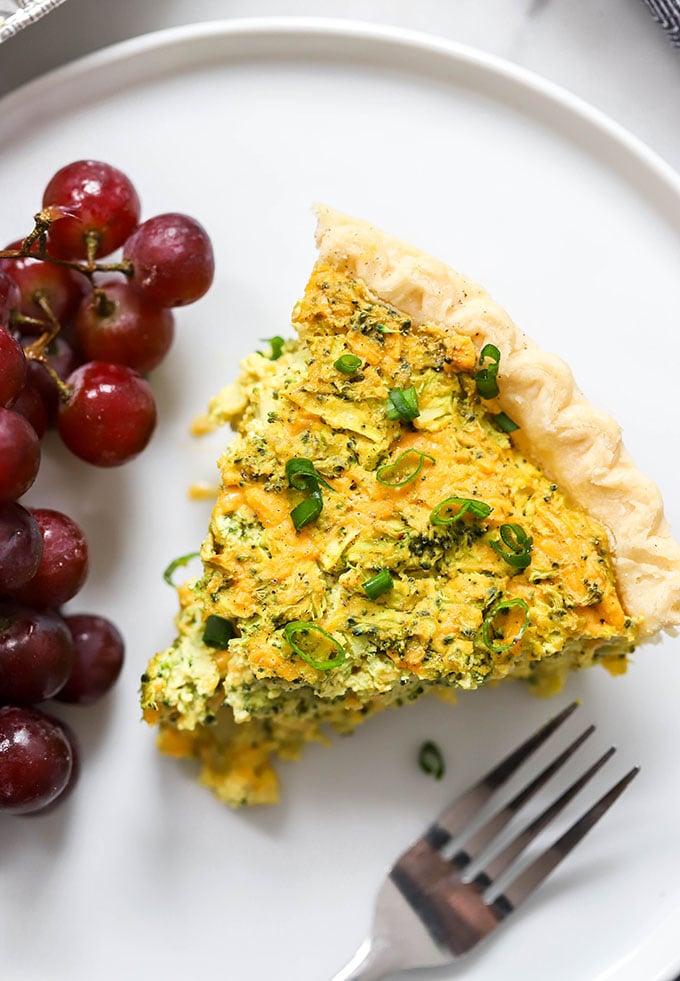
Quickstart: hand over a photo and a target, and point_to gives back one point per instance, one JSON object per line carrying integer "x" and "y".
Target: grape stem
{"x": 35, "y": 351}
{"x": 16, "y": 318}
{"x": 51, "y": 326}
{"x": 102, "y": 304}
{"x": 65, "y": 391}
{"x": 42, "y": 220}
{"x": 38, "y": 236}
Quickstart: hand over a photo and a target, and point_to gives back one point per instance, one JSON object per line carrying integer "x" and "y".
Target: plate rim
{"x": 526, "y": 80}
{"x": 355, "y": 30}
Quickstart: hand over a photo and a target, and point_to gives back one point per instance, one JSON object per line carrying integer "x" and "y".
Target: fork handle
{"x": 372, "y": 962}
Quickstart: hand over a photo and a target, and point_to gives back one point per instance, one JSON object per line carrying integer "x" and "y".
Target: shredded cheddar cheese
{"x": 452, "y": 590}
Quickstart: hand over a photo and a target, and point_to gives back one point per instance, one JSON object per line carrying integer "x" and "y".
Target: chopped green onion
{"x": 308, "y": 510}
{"x": 276, "y": 344}
{"x": 487, "y": 384}
{"x": 504, "y": 423}
{"x": 402, "y": 403}
{"x": 381, "y": 583}
{"x": 302, "y": 626}
{"x": 465, "y": 505}
{"x": 218, "y": 631}
{"x": 303, "y": 475}
{"x": 518, "y": 543}
{"x": 488, "y": 624}
{"x": 386, "y": 467}
{"x": 515, "y": 537}
{"x": 431, "y": 761}
{"x": 175, "y": 564}
{"x": 348, "y": 364}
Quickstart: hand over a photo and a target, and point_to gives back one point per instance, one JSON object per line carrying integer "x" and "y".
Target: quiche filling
{"x": 377, "y": 535}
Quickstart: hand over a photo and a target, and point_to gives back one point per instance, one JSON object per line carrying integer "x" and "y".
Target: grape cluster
{"x": 44, "y": 653}
{"x": 76, "y": 336}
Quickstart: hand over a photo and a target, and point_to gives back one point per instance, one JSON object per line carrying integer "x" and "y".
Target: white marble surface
{"x": 609, "y": 52}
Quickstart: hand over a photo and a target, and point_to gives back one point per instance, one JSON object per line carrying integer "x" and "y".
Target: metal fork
{"x": 428, "y": 913}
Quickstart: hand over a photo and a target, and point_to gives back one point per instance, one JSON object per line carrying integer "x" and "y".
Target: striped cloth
{"x": 667, "y": 13}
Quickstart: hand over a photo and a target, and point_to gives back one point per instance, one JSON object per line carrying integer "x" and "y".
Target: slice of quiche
{"x": 417, "y": 499}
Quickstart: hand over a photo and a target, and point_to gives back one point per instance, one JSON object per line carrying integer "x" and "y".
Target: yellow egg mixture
{"x": 440, "y": 559}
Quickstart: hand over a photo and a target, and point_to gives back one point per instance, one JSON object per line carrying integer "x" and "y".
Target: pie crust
{"x": 575, "y": 444}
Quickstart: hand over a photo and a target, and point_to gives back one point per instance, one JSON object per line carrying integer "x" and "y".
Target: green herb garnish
{"x": 485, "y": 379}
{"x": 276, "y": 345}
{"x": 381, "y": 583}
{"x": 504, "y": 422}
{"x": 464, "y": 505}
{"x": 517, "y": 543}
{"x": 402, "y": 403}
{"x": 488, "y": 625}
{"x": 348, "y": 364}
{"x": 387, "y": 467}
{"x": 431, "y": 760}
{"x": 175, "y": 564}
{"x": 302, "y": 626}
{"x": 218, "y": 631}
{"x": 303, "y": 476}
{"x": 308, "y": 510}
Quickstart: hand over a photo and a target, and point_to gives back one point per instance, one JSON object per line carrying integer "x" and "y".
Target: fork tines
{"x": 453, "y": 820}
{"x": 540, "y": 868}
{"x": 454, "y": 910}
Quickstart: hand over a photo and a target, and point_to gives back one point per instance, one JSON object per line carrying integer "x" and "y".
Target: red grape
{"x": 30, "y": 405}
{"x": 99, "y": 653}
{"x": 9, "y": 297}
{"x": 19, "y": 455}
{"x": 63, "y": 360}
{"x": 120, "y": 326}
{"x": 61, "y": 288}
{"x": 110, "y": 415}
{"x": 36, "y": 653}
{"x": 12, "y": 367}
{"x": 21, "y": 546}
{"x": 105, "y": 413}
{"x": 99, "y": 200}
{"x": 36, "y": 760}
{"x": 63, "y": 564}
{"x": 172, "y": 258}
{"x": 75, "y": 768}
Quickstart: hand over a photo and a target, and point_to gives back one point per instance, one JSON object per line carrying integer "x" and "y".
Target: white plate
{"x": 574, "y": 227}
